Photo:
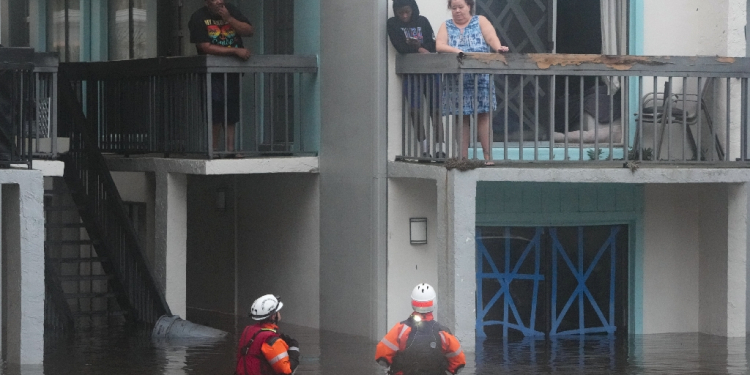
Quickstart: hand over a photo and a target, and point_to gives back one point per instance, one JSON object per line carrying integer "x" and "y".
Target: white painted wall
{"x": 671, "y": 259}
{"x": 409, "y": 265}
{"x": 701, "y": 26}
{"x": 22, "y": 246}
{"x": 686, "y": 259}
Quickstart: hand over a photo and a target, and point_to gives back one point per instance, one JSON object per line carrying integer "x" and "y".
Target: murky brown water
{"x": 133, "y": 352}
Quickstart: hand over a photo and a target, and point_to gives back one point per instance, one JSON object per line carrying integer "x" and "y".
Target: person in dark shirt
{"x": 412, "y": 33}
{"x": 217, "y": 29}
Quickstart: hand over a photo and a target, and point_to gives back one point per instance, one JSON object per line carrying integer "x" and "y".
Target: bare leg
{"x": 230, "y": 137}
{"x": 223, "y": 144}
{"x": 483, "y": 130}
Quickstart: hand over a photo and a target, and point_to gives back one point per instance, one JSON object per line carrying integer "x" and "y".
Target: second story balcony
{"x": 555, "y": 108}
{"x": 201, "y": 106}
{"x": 28, "y": 99}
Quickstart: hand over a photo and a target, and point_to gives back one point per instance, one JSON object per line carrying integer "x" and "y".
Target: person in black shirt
{"x": 217, "y": 29}
{"x": 412, "y": 33}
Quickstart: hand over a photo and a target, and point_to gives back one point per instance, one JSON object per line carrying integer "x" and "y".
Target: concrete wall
{"x": 701, "y": 25}
{"x": 265, "y": 240}
{"x": 22, "y": 248}
{"x": 671, "y": 258}
{"x": 132, "y": 186}
{"x": 409, "y": 265}
{"x": 713, "y": 260}
{"x": 353, "y": 166}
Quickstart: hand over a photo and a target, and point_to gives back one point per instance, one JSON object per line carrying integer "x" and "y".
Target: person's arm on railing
{"x": 215, "y": 49}
{"x": 441, "y": 43}
{"x": 490, "y": 36}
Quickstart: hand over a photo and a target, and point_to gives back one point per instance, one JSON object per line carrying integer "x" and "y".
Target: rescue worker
{"x": 420, "y": 345}
{"x": 262, "y": 350}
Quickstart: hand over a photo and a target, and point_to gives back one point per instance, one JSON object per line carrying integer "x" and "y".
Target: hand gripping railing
{"x": 103, "y": 214}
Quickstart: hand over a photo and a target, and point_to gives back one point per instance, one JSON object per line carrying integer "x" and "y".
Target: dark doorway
{"x": 19, "y": 23}
{"x": 552, "y": 281}
{"x": 579, "y": 28}
{"x": 279, "y": 40}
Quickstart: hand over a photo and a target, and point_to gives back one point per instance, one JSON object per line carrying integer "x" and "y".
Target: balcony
{"x": 594, "y": 109}
{"x": 28, "y": 121}
{"x": 175, "y": 106}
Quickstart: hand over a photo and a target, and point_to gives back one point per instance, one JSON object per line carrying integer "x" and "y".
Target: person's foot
{"x": 489, "y": 163}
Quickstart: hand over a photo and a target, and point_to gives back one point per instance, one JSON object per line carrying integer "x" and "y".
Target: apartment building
{"x": 618, "y": 202}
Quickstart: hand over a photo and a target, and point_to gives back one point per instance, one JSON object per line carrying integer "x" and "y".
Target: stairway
{"x": 72, "y": 263}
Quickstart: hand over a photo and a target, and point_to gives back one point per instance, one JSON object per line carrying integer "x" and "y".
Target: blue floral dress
{"x": 471, "y": 40}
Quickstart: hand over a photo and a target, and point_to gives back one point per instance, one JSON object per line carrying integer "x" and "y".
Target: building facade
{"x": 558, "y": 238}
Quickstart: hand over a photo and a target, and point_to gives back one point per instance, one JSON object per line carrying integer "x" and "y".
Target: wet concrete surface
{"x": 132, "y": 351}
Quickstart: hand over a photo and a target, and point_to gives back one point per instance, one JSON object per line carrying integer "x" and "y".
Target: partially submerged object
{"x": 171, "y": 327}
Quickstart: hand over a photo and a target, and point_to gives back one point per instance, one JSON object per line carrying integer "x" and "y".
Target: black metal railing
{"x": 16, "y": 105}
{"x": 57, "y": 313}
{"x": 177, "y": 105}
{"x": 574, "y": 108}
{"x": 104, "y": 215}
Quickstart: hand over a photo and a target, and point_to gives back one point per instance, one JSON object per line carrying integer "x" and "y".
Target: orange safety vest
{"x": 395, "y": 341}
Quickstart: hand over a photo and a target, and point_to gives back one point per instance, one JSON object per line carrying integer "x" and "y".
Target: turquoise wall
{"x": 559, "y": 204}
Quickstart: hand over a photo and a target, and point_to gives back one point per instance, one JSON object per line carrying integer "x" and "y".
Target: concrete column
{"x": 22, "y": 248}
{"x": 170, "y": 258}
{"x": 737, "y": 247}
{"x": 459, "y": 306}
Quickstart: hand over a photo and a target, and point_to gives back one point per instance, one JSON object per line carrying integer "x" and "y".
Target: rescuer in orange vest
{"x": 419, "y": 344}
{"x": 262, "y": 350}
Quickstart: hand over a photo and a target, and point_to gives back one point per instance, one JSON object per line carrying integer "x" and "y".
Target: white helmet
{"x": 265, "y": 306}
{"x": 423, "y": 298}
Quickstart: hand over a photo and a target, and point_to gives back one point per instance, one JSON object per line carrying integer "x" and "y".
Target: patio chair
{"x": 683, "y": 109}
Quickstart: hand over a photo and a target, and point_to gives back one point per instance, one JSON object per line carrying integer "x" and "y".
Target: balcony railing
{"x": 177, "y": 106}
{"x": 579, "y": 108}
{"x": 16, "y": 105}
{"x": 45, "y": 142}
{"x": 28, "y": 102}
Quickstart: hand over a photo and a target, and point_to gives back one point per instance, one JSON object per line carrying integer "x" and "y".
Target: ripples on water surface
{"x": 133, "y": 352}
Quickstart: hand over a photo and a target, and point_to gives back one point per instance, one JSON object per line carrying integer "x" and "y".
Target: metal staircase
{"x": 94, "y": 261}
{"x": 85, "y": 291}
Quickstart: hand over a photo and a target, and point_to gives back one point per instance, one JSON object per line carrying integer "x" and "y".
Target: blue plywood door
{"x": 551, "y": 281}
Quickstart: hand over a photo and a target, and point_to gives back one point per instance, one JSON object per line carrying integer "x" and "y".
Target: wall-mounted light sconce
{"x": 418, "y": 230}
{"x": 221, "y": 199}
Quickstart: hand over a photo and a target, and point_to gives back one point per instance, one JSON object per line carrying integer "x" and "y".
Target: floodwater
{"x": 132, "y": 351}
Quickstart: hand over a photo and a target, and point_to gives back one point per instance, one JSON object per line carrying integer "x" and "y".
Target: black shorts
{"x": 217, "y": 98}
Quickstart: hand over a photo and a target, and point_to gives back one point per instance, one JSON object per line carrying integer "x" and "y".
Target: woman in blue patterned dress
{"x": 465, "y": 32}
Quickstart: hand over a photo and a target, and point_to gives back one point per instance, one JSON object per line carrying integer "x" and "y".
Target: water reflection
{"x": 132, "y": 351}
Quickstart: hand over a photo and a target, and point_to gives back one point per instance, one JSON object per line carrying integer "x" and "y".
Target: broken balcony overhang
{"x": 571, "y": 64}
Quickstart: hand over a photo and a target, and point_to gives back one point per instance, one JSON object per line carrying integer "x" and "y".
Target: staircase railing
{"x": 57, "y": 312}
{"x": 104, "y": 215}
